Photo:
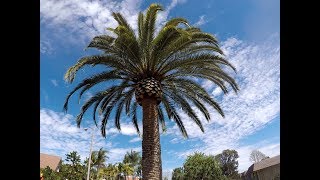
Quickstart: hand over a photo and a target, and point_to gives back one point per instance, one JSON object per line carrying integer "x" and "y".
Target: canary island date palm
{"x": 157, "y": 72}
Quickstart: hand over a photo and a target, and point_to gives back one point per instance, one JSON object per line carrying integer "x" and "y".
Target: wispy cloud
{"x": 126, "y": 129}
{"x": 79, "y": 20}
{"x": 118, "y": 153}
{"x": 59, "y": 135}
{"x": 256, "y": 105}
{"x": 45, "y": 47}
{"x": 54, "y": 82}
{"x": 88, "y": 95}
{"x": 201, "y": 21}
{"x": 45, "y": 95}
{"x": 167, "y": 173}
{"x": 136, "y": 139}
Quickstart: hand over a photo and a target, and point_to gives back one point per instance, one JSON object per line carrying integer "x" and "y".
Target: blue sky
{"x": 249, "y": 34}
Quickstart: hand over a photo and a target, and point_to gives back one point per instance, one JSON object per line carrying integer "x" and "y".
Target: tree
{"x": 73, "y": 157}
{"x": 154, "y": 72}
{"x": 49, "y": 174}
{"x": 75, "y": 170}
{"x": 257, "y": 156}
{"x": 99, "y": 158}
{"x": 125, "y": 169}
{"x": 200, "y": 166}
{"x": 228, "y": 163}
{"x": 177, "y": 174}
{"x": 133, "y": 158}
{"x": 109, "y": 172}
{"x": 139, "y": 168}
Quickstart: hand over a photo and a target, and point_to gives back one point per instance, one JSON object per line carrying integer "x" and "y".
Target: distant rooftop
{"x": 49, "y": 160}
{"x": 266, "y": 163}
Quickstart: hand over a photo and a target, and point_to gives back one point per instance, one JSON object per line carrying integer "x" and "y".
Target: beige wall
{"x": 268, "y": 173}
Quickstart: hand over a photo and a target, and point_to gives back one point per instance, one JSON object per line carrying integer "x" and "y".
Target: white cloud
{"x": 163, "y": 15}
{"x": 174, "y": 140}
{"x": 54, "y": 82}
{"x": 217, "y": 91}
{"x": 45, "y": 47}
{"x": 256, "y": 105}
{"x": 207, "y": 84}
{"x": 88, "y": 95}
{"x": 85, "y": 18}
{"x": 126, "y": 129}
{"x": 44, "y": 94}
{"x": 201, "y": 21}
{"x": 117, "y": 154}
{"x": 78, "y": 21}
{"x": 167, "y": 173}
{"x": 59, "y": 135}
{"x": 136, "y": 139}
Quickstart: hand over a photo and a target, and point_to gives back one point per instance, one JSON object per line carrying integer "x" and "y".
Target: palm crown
{"x": 163, "y": 67}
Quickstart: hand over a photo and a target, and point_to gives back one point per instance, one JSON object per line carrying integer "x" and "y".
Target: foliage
{"x": 75, "y": 170}
{"x": 73, "y": 157}
{"x": 125, "y": 169}
{"x": 228, "y": 163}
{"x": 257, "y": 156}
{"x": 133, "y": 158}
{"x": 177, "y": 174}
{"x": 201, "y": 166}
{"x": 169, "y": 59}
{"x": 70, "y": 172}
{"x": 109, "y": 172}
{"x": 98, "y": 158}
{"x": 146, "y": 65}
{"x": 49, "y": 174}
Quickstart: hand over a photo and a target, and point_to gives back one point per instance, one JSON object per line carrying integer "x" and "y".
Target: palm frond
{"x": 123, "y": 22}
{"x": 107, "y": 112}
{"x": 161, "y": 119}
{"x": 87, "y": 104}
{"x": 184, "y": 105}
{"x": 175, "y": 116}
{"x": 90, "y": 82}
{"x": 108, "y": 60}
{"x": 176, "y": 22}
{"x": 134, "y": 117}
{"x": 173, "y": 57}
{"x": 127, "y": 96}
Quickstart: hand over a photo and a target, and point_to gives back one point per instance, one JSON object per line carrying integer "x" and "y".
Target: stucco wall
{"x": 268, "y": 173}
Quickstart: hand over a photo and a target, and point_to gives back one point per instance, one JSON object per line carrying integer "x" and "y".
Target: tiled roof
{"x": 266, "y": 163}
{"x": 49, "y": 160}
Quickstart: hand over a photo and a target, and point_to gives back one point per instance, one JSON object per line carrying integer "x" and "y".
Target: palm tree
{"x": 109, "y": 172}
{"x": 155, "y": 72}
{"x": 99, "y": 158}
{"x": 133, "y": 158}
{"x": 126, "y": 169}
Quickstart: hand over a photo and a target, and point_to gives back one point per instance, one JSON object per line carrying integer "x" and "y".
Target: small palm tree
{"x": 156, "y": 73}
{"x": 125, "y": 169}
{"x": 99, "y": 158}
{"x": 133, "y": 158}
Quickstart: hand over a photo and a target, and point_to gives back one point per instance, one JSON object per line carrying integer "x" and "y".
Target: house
{"x": 267, "y": 169}
{"x": 52, "y": 161}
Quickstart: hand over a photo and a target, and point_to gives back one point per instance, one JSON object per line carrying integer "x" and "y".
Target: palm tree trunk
{"x": 151, "y": 151}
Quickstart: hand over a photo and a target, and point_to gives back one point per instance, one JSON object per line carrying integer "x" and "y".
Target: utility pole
{"x": 89, "y": 161}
